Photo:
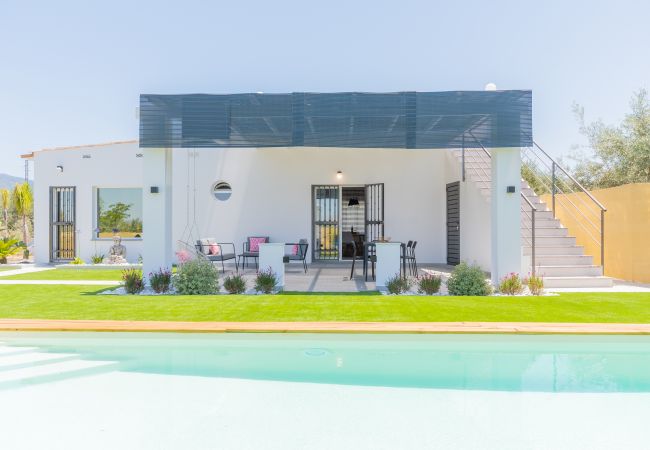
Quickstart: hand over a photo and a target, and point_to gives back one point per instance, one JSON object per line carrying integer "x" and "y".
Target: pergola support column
{"x": 506, "y": 212}
{"x": 157, "y": 210}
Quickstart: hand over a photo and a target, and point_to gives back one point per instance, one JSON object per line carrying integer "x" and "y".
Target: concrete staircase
{"x": 559, "y": 259}
{"x": 22, "y": 366}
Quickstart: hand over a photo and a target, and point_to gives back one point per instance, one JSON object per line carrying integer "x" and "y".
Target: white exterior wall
{"x": 108, "y": 166}
{"x": 475, "y": 222}
{"x": 271, "y": 194}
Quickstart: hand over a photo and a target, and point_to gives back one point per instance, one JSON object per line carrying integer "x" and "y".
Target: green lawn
{"x": 2, "y": 269}
{"x": 81, "y": 302}
{"x": 70, "y": 274}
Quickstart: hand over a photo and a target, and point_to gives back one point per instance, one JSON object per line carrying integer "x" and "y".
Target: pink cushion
{"x": 183, "y": 256}
{"x": 254, "y": 243}
{"x": 294, "y": 249}
{"x": 214, "y": 249}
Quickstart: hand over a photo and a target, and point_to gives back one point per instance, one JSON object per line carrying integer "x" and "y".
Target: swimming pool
{"x": 402, "y": 391}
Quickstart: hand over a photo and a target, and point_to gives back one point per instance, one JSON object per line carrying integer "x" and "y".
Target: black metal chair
{"x": 301, "y": 255}
{"x": 404, "y": 256}
{"x": 410, "y": 258}
{"x": 204, "y": 247}
{"x": 358, "y": 253}
{"x": 248, "y": 253}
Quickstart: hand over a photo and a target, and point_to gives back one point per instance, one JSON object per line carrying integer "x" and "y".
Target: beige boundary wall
{"x": 627, "y": 229}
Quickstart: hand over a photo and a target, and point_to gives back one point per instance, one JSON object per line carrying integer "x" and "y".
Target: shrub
{"x": 196, "y": 277}
{"x": 535, "y": 284}
{"x": 468, "y": 280}
{"x": 97, "y": 258}
{"x": 511, "y": 284}
{"x": 398, "y": 285}
{"x": 429, "y": 284}
{"x": 160, "y": 281}
{"x": 8, "y": 247}
{"x": 266, "y": 281}
{"x": 133, "y": 282}
{"x": 235, "y": 284}
{"x": 77, "y": 261}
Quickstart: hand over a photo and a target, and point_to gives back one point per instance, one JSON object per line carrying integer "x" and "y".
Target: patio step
{"x": 578, "y": 282}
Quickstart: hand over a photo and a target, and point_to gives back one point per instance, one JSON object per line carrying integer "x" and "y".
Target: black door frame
{"x": 63, "y": 218}
{"x": 453, "y": 222}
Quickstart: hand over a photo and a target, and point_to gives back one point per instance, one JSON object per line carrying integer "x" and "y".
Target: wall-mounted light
{"x": 511, "y": 190}
{"x": 154, "y": 189}
{"x": 59, "y": 169}
{"x": 339, "y": 174}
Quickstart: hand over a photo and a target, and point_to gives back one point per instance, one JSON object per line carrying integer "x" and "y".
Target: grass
{"x": 81, "y": 302}
{"x": 70, "y": 274}
{"x": 2, "y": 269}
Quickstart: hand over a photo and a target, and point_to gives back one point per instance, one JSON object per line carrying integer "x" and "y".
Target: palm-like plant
{"x": 5, "y": 202}
{"x": 23, "y": 203}
{"x": 8, "y": 247}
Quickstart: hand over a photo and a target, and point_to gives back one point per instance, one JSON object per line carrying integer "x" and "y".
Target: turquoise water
{"x": 537, "y": 363}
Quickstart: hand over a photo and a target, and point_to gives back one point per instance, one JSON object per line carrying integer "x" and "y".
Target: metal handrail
{"x": 600, "y": 205}
{"x": 602, "y": 208}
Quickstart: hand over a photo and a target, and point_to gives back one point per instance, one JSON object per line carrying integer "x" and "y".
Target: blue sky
{"x": 71, "y": 72}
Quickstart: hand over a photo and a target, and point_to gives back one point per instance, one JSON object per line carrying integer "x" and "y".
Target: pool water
{"x": 285, "y": 391}
{"x": 547, "y": 363}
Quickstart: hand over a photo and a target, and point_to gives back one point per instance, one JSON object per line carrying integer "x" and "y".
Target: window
{"x": 119, "y": 210}
{"x": 221, "y": 191}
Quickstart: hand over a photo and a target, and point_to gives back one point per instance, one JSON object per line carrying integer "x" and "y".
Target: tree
{"x": 621, "y": 154}
{"x": 114, "y": 216}
{"x": 5, "y": 202}
{"x": 23, "y": 203}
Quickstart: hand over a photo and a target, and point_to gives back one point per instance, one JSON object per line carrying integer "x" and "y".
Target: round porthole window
{"x": 221, "y": 191}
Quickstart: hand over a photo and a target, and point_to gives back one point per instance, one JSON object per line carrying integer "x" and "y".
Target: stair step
{"x": 555, "y": 250}
{"x": 19, "y": 360}
{"x": 564, "y": 260}
{"x": 555, "y": 241}
{"x": 52, "y": 372}
{"x": 578, "y": 282}
{"x": 544, "y": 231}
{"x": 570, "y": 271}
{"x": 5, "y": 351}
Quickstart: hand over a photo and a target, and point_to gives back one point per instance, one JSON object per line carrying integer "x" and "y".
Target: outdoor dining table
{"x": 366, "y": 247}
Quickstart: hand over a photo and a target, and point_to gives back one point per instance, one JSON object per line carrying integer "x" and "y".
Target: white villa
{"x": 442, "y": 169}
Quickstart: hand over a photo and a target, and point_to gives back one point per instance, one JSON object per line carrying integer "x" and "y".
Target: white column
{"x": 157, "y": 210}
{"x": 388, "y": 262}
{"x": 506, "y": 212}
{"x": 272, "y": 256}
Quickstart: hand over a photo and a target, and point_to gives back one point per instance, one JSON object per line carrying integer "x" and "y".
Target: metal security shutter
{"x": 62, "y": 223}
{"x": 453, "y": 223}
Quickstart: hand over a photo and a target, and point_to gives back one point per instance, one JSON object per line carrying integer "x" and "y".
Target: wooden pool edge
{"x": 324, "y": 327}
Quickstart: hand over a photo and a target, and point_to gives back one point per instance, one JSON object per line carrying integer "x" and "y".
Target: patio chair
{"x": 250, "y": 249}
{"x": 300, "y": 254}
{"x": 358, "y": 254}
{"x": 405, "y": 255}
{"x": 409, "y": 255}
{"x": 214, "y": 251}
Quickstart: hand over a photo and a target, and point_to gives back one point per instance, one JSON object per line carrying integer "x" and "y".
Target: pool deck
{"x": 324, "y": 327}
